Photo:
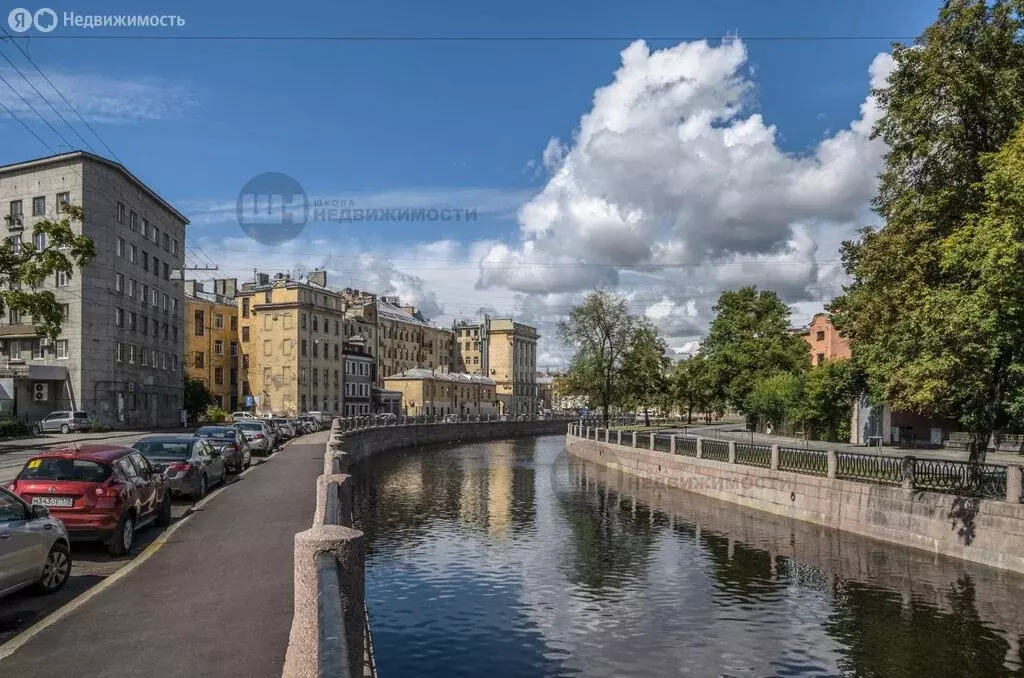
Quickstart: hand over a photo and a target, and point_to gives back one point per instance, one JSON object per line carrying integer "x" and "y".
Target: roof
{"x": 90, "y": 451}
{"x": 85, "y": 155}
{"x": 388, "y": 311}
{"x": 422, "y": 373}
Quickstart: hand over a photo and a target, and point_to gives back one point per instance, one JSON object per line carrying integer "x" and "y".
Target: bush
{"x": 12, "y": 428}
{"x": 215, "y": 415}
{"x": 96, "y": 426}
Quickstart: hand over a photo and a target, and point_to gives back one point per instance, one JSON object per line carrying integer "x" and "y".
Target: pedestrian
{"x": 768, "y": 428}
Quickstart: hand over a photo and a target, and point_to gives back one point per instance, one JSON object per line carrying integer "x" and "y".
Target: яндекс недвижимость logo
{"x": 20, "y": 20}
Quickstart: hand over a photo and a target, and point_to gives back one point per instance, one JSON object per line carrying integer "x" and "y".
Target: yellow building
{"x": 406, "y": 340}
{"x": 291, "y": 341}
{"x": 505, "y": 351}
{"x": 431, "y": 393}
{"x": 211, "y": 340}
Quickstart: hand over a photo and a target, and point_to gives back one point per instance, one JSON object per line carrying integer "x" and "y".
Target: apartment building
{"x": 211, "y": 342}
{"x": 824, "y": 341}
{"x": 117, "y": 356}
{"x": 290, "y": 338}
{"x": 505, "y": 351}
{"x": 407, "y": 340}
{"x": 430, "y": 392}
{"x": 358, "y": 379}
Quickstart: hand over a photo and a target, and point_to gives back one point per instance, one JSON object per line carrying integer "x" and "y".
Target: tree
{"x": 749, "y": 340}
{"x": 644, "y": 366}
{"x": 692, "y": 386}
{"x": 197, "y": 398}
{"x": 774, "y": 398}
{"x": 601, "y": 329}
{"x": 933, "y": 311}
{"x": 828, "y": 393}
{"x": 25, "y": 266}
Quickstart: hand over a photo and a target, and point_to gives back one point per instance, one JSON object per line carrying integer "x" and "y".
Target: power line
{"x": 482, "y": 38}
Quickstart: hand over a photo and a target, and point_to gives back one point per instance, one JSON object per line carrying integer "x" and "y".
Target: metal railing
{"x": 812, "y": 462}
{"x": 750, "y": 454}
{"x": 686, "y": 445}
{"x": 716, "y": 450}
{"x": 985, "y": 481}
{"x": 873, "y": 468}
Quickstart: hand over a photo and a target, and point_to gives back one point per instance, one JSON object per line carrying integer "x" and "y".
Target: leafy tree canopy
{"x": 644, "y": 367}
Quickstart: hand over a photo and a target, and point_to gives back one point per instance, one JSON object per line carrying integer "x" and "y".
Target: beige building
{"x": 505, "y": 351}
{"x": 211, "y": 342}
{"x": 824, "y": 341}
{"x": 290, "y": 333}
{"x": 431, "y": 392}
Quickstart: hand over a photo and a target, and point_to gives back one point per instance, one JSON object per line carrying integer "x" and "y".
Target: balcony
{"x": 20, "y": 331}
{"x": 15, "y": 223}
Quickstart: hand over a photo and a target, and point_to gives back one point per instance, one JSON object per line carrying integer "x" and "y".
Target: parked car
{"x": 275, "y": 433}
{"x": 298, "y": 426}
{"x": 34, "y": 547}
{"x": 257, "y": 434}
{"x": 241, "y": 416}
{"x": 231, "y": 444}
{"x": 387, "y": 417}
{"x": 100, "y": 492}
{"x": 286, "y": 428}
{"x": 451, "y": 418}
{"x": 191, "y": 465}
{"x": 64, "y": 422}
{"x": 308, "y": 424}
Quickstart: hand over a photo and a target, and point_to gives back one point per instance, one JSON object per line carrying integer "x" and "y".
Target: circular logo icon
{"x": 20, "y": 20}
{"x": 272, "y": 208}
{"x": 45, "y": 20}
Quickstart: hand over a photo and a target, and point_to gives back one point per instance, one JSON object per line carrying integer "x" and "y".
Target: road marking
{"x": 15, "y": 643}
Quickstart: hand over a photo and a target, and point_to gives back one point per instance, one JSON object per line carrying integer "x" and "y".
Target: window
{"x": 820, "y": 336}
{"x": 15, "y": 241}
{"x": 62, "y": 349}
{"x": 199, "y": 359}
{"x": 156, "y": 236}
{"x": 268, "y": 375}
{"x": 174, "y": 363}
{"x": 165, "y": 329}
{"x": 65, "y": 311}
{"x": 131, "y": 320}
{"x": 303, "y": 347}
{"x": 133, "y": 254}
{"x": 302, "y": 322}
{"x": 245, "y": 360}
{"x": 336, "y": 351}
{"x": 155, "y": 299}
{"x": 174, "y": 307}
{"x": 119, "y": 317}
{"x": 233, "y": 349}
{"x": 820, "y": 359}
{"x": 134, "y": 221}
{"x": 131, "y": 354}
{"x": 174, "y": 248}
{"x": 144, "y": 324}
{"x": 120, "y": 247}
{"x": 234, "y": 323}
{"x": 245, "y": 334}
{"x": 218, "y": 321}
{"x": 166, "y": 301}
{"x": 131, "y": 288}
{"x": 156, "y": 267}
{"x": 267, "y": 321}
{"x": 167, "y": 242}
{"x": 174, "y": 333}
{"x": 143, "y": 357}
{"x": 218, "y": 347}
{"x": 199, "y": 323}
{"x": 145, "y": 229}
{"x": 218, "y": 375}
{"x": 245, "y": 307}
{"x": 268, "y": 347}
{"x": 63, "y": 199}
{"x": 38, "y": 352}
{"x": 120, "y": 212}
{"x": 39, "y": 241}
{"x": 145, "y": 260}
{"x": 167, "y": 272}
{"x": 268, "y": 296}
{"x": 119, "y": 352}
{"x": 145, "y": 295}
{"x": 316, "y": 349}
{"x": 336, "y": 328}
{"x": 39, "y": 206}
{"x": 316, "y": 327}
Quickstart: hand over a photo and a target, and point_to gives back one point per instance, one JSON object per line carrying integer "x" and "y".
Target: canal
{"x": 511, "y": 559}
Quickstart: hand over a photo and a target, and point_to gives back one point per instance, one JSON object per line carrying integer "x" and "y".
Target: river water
{"x": 511, "y": 559}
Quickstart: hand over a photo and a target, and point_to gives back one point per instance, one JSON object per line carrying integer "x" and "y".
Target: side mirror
{"x": 39, "y": 511}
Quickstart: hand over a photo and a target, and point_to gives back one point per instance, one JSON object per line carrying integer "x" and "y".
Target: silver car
{"x": 190, "y": 465}
{"x": 63, "y": 422}
{"x": 258, "y": 435}
{"x": 34, "y": 548}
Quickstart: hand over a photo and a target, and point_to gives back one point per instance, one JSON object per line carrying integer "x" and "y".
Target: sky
{"x": 668, "y": 151}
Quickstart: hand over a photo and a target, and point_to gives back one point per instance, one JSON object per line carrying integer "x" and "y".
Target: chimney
{"x": 318, "y": 278}
{"x": 230, "y": 287}
{"x": 190, "y": 288}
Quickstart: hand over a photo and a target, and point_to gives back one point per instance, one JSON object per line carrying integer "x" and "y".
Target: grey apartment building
{"x": 118, "y": 354}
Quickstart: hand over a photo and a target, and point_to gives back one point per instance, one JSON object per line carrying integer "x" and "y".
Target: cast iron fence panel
{"x": 662, "y": 443}
{"x": 985, "y": 481}
{"x": 687, "y": 446}
{"x": 813, "y": 462}
{"x": 751, "y": 454}
{"x": 717, "y": 450}
{"x": 874, "y": 468}
{"x": 643, "y": 440}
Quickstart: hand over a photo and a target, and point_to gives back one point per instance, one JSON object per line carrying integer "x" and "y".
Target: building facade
{"x": 824, "y": 341}
{"x": 407, "y": 340}
{"x": 117, "y": 356}
{"x": 211, "y": 344}
{"x": 358, "y": 377}
{"x": 429, "y": 392}
{"x": 505, "y": 351}
{"x": 290, "y": 338}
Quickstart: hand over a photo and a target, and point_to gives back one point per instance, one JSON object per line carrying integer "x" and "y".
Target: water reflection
{"x": 508, "y": 559}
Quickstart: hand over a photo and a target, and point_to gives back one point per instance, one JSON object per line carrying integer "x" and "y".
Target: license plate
{"x": 53, "y": 501}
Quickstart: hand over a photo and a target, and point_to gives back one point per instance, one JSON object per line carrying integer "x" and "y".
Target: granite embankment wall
{"x": 330, "y": 634}
{"x": 979, "y": 530}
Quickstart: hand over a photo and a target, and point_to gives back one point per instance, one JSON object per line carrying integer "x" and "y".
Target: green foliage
{"x": 748, "y": 341}
{"x": 934, "y": 311}
{"x": 95, "y": 426}
{"x": 600, "y": 329}
{"x": 693, "y": 387}
{"x": 23, "y": 271}
{"x": 197, "y": 397}
{"x": 774, "y": 399}
{"x": 216, "y": 415}
{"x": 643, "y": 380}
{"x": 828, "y": 392}
{"x": 13, "y": 428}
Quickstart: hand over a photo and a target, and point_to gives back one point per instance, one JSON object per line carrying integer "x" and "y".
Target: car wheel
{"x": 123, "y": 538}
{"x": 64, "y": 428}
{"x": 37, "y": 430}
{"x": 202, "y": 488}
{"x": 163, "y": 518}
{"x": 56, "y": 569}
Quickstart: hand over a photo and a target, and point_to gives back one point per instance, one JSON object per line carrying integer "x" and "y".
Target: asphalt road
{"x": 214, "y": 600}
{"x": 14, "y": 453}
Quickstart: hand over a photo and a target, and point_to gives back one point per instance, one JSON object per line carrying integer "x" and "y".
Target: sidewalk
{"x": 214, "y": 601}
{"x": 740, "y": 434}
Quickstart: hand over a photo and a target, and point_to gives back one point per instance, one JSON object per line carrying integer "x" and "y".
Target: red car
{"x": 99, "y": 492}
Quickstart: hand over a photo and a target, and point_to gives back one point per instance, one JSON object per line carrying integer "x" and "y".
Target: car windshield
{"x": 62, "y": 468}
{"x": 250, "y": 426}
{"x": 179, "y": 449}
{"x": 218, "y": 432}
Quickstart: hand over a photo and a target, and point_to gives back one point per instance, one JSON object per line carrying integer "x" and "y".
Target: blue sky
{"x": 460, "y": 123}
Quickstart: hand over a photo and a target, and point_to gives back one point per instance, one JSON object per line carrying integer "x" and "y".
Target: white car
{"x": 242, "y": 416}
{"x": 257, "y": 433}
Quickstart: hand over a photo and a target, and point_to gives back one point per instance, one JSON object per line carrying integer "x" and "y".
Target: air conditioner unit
{"x": 131, "y": 387}
{"x": 40, "y": 391}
